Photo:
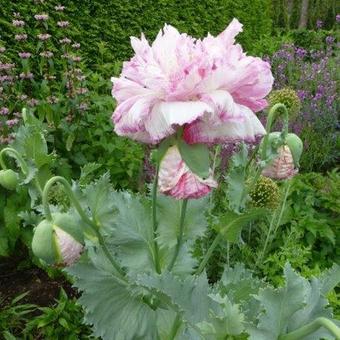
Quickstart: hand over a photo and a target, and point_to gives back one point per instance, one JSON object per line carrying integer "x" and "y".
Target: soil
{"x": 42, "y": 290}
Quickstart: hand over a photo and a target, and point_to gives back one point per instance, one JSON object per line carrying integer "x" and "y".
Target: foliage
{"x": 318, "y": 10}
{"x": 313, "y": 209}
{"x": 62, "y": 320}
{"x": 97, "y": 33}
{"x": 14, "y": 316}
{"x": 29, "y": 321}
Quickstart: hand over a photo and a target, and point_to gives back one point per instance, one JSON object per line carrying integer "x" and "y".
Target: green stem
{"x": 273, "y": 230}
{"x": 271, "y": 227}
{"x": 276, "y": 110}
{"x": 81, "y": 213}
{"x": 180, "y": 234}
{"x": 312, "y": 327}
{"x": 17, "y": 156}
{"x": 175, "y": 327}
{"x": 228, "y": 254}
{"x": 209, "y": 253}
{"x": 283, "y": 205}
{"x": 23, "y": 165}
{"x": 154, "y": 222}
{"x": 69, "y": 193}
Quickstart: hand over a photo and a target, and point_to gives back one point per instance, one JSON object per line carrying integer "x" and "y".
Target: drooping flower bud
{"x": 265, "y": 193}
{"x": 9, "y": 179}
{"x": 295, "y": 145}
{"x": 177, "y": 180}
{"x": 282, "y": 167}
{"x": 288, "y": 97}
{"x": 58, "y": 242}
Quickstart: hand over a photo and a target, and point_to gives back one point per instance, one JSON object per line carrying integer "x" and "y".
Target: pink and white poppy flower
{"x": 175, "y": 178}
{"x": 209, "y": 86}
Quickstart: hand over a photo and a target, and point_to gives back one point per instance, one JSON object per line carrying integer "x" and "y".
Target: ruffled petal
{"x": 176, "y": 180}
{"x": 230, "y": 122}
{"x": 229, "y": 34}
{"x": 166, "y": 116}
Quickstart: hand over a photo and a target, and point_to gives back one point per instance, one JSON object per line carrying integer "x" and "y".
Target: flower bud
{"x": 296, "y": 146}
{"x": 9, "y": 179}
{"x": 265, "y": 193}
{"x": 282, "y": 167}
{"x": 59, "y": 241}
{"x": 176, "y": 179}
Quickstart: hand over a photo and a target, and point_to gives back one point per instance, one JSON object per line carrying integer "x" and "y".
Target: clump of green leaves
{"x": 61, "y": 321}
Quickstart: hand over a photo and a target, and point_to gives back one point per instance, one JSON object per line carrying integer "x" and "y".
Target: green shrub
{"x": 115, "y": 21}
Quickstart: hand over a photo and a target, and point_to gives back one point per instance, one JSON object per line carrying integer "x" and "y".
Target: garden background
{"x": 61, "y": 69}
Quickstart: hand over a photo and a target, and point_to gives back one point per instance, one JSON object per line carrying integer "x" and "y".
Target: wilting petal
{"x": 230, "y": 123}
{"x": 283, "y": 165}
{"x": 69, "y": 249}
{"x": 176, "y": 180}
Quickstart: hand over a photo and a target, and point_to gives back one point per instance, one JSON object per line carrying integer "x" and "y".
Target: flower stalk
{"x": 154, "y": 221}
{"x": 311, "y": 328}
{"x": 23, "y": 165}
{"x": 180, "y": 234}
{"x": 274, "y": 112}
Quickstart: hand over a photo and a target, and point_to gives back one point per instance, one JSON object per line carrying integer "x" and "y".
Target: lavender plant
{"x": 313, "y": 75}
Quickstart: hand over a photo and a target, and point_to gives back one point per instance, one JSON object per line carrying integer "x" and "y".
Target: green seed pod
{"x": 58, "y": 242}
{"x": 9, "y": 179}
{"x": 265, "y": 193}
{"x": 288, "y": 97}
{"x": 296, "y": 146}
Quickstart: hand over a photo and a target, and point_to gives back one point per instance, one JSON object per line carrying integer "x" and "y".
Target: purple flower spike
{"x": 24, "y": 55}
{"x": 41, "y": 17}
{"x": 6, "y": 66}
{"x": 12, "y": 122}
{"x": 18, "y": 23}
{"x": 59, "y": 8}
{"x": 44, "y": 36}
{"x": 4, "y": 111}
{"x": 337, "y": 18}
{"x": 65, "y": 41}
{"x": 319, "y": 24}
{"x": 46, "y": 54}
{"x": 27, "y": 75}
{"x": 63, "y": 24}
{"x": 20, "y": 37}
{"x": 330, "y": 40}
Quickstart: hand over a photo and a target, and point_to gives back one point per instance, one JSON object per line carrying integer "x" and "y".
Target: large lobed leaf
{"x": 294, "y": 305}
{"x": 112, "y": 307}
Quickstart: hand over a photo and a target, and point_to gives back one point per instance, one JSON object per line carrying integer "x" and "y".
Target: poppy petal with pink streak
{"x": 176, "y": 179}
